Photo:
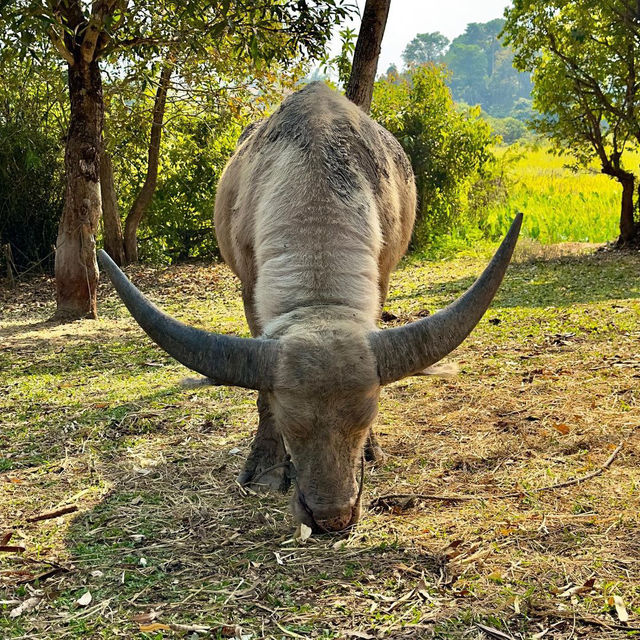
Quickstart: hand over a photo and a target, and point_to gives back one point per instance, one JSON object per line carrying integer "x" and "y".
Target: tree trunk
{"x": 367, "y": 52}
{"x": 76, "y": 268}
{"x": 628, "y": 227}
{"x": 143, "y": 199}
{"x": 113, "y": 238}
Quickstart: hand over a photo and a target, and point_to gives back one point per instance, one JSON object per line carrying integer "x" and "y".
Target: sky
{"x": 407, "y": 18}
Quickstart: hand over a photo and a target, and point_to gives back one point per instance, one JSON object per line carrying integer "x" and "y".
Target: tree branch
{"x": 60, "y": 47}
{"x": 99, "y": 11}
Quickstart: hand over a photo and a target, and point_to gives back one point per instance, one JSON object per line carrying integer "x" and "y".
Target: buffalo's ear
{"x": 408, "y": 350}
{"x": 441, "y": 370}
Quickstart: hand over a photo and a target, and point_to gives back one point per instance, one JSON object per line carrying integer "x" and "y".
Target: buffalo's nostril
{"x": 325, "y": 518}
{"x": 337, "y": 523}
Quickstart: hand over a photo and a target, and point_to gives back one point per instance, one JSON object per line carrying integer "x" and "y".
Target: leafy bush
{"x": 449, "y": 150}
{"x": 509, "y": 129}
{"x": 31, "y": 192}
{"x": 179, "y": 224}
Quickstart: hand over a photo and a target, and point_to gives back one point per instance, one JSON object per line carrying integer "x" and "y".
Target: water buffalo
{"x": 312, "y": 213}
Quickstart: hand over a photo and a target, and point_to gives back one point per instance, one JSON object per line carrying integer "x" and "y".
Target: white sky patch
{"x": 407, "y": 18}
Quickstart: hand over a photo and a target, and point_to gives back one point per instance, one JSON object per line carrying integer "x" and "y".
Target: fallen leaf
{"x": 48, "y": 515}
{"x": 85, "y": 599}
{"x": 580, "y": 589}
{"x": 493, "y": 632}
{"x": 25, "y": 607}
{"x": 155, "y": 626}
{"x": 621, "y": 610}
{"x": 452, "y": 551}
{"x": 41, "y": 577}
{"x": 562, "y": 428}
{"x": 145, "y": 618}
{"x": 588, "y": 585}
{"x": 303, "y": 533}
{"x": 11, "y": 549}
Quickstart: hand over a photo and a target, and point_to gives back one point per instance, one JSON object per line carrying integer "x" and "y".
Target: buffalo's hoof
{"x": 265, "y": 477}
{"x": 373, "y": 451}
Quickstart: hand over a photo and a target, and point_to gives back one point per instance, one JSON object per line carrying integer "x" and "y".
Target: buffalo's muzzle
{"x": 337, "y": 523}
{"x": 326, "y": 519}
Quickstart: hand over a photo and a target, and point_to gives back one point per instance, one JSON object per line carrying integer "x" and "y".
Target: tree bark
{"x": 113, "y": 238}
{"x": 143, "y": 199}
{"x": 76, "y": 268}
{"x": 367, "y": 52}
{"x": 628, "y": 228}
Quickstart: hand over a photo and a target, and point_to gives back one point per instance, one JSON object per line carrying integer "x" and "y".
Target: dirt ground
{"x": 507, "y": 505}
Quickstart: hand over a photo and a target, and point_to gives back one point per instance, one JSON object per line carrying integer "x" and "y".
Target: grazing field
{"x": 561, "y": 205}
{"x": 154, "y": 539}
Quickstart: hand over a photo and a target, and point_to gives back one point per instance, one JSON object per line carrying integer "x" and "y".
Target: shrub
{"x": 179, "y": 224}
{"x": 31, "y": 192}
{"x": 448, "y": 149}
{"x": 509, "y": 129}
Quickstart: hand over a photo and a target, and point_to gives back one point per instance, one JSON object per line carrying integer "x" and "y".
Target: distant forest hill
{"x": 481, "y": 68}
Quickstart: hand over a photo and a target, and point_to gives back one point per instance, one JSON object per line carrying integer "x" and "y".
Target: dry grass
{"x": 91, "y": 415}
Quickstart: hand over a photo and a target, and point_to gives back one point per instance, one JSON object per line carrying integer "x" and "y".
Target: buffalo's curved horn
{"x": 241, "y": 362}
{"x": 406, "y": 350}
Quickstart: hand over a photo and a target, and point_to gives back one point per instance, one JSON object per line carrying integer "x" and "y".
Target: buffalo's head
{"x": 322, "y": 368}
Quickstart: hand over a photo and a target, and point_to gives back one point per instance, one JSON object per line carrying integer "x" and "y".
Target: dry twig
{"x": 383, "y": 500}
{"x": 48, "y": 515}
{"x": 586, "y": 619}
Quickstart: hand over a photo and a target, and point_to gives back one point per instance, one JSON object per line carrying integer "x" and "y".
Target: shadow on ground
{"x": 178, "y": 536}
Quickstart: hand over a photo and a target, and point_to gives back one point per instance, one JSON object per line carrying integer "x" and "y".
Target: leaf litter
{"x": 165, "y": 491}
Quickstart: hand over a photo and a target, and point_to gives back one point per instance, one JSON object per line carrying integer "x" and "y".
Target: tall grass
{"x": 560, "y": 205}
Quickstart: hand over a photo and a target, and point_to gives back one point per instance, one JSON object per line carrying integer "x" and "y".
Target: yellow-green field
{"x": 560, "y": 205}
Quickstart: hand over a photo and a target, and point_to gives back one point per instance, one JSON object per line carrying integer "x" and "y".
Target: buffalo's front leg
{"x": 266, "y": 466}
{"x": 372, "y": 450}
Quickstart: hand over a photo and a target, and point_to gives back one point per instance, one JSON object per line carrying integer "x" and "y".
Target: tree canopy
{"x": 585, "y": 58}
{"x": 425, "y": 47}
{"x": 121, "y": 35}
{"x": 449, "y": 149}
{"x": 482, "y": 70}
